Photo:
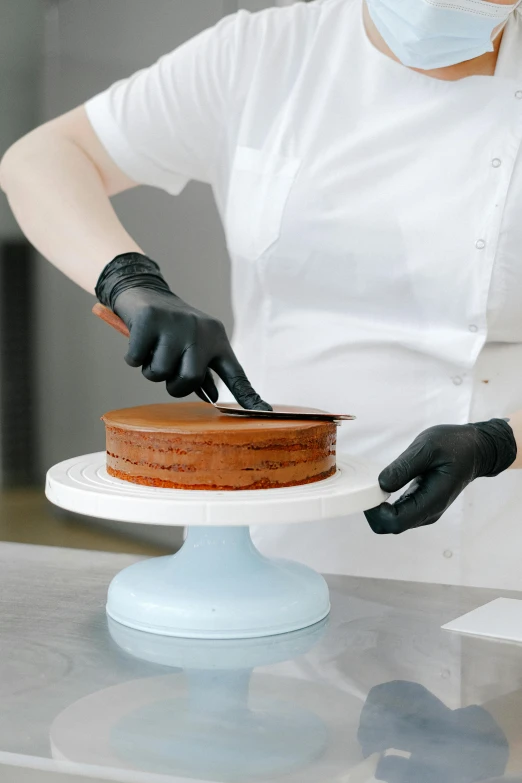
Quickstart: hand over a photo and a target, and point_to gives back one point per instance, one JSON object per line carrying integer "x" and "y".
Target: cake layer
{"x": 193, "y": 446}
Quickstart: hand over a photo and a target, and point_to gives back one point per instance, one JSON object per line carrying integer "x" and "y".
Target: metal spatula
{"x": 230, "y": 408}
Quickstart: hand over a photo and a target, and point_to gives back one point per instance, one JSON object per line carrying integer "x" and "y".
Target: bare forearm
{"x": 61, "y": 204}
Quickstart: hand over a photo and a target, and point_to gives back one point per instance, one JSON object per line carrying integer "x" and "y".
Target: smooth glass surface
{"x": 378, "y": 692}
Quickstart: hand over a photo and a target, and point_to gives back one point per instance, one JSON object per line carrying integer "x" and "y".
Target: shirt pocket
{"x": 260, "y": 183}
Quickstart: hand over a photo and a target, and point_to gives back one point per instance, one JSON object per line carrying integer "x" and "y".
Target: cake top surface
{"x": 197, "y": 417}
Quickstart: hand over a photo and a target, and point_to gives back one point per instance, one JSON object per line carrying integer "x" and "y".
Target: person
{"x": 365, "y": 160}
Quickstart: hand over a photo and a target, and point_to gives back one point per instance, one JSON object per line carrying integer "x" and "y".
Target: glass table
{"x": 377, "y": 692}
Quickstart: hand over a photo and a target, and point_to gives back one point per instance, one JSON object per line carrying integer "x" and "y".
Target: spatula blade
{"x": 282, "y": 412}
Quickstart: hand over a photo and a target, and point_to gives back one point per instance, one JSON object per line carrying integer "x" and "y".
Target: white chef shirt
{"x": 373, "y": 217}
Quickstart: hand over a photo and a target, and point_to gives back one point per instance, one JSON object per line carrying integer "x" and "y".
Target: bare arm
{"x": 58, "y": 180}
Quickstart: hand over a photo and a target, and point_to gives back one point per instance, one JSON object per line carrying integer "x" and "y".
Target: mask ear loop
{"x": 503, "y": 24}
{"x": 499, "y": 29}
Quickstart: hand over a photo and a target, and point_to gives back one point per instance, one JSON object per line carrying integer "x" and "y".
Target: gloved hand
{"x": 445, "y": 746}
{"x": 169, "y": 339}
{"x": 441, "y": 462}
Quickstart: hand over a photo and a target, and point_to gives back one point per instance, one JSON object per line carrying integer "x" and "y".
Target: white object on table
{"x": 500, "y": 619}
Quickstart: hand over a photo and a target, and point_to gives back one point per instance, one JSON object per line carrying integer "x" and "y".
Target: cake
{"x": 193, "y": 446}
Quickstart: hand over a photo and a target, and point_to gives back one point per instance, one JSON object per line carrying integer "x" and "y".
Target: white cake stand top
{"x": 82, "y": 485}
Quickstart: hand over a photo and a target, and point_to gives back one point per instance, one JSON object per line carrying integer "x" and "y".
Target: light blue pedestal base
{"x": 218, "y": 586}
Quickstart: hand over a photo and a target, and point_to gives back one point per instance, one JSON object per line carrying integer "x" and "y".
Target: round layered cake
{"x": 193, "y": 446}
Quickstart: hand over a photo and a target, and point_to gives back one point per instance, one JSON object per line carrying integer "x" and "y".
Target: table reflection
{"x": 216, "y": 718}
{"x": 415, "y": 738}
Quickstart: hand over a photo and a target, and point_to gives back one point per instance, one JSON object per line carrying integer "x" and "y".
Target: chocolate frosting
{"x": 197, "y": 417}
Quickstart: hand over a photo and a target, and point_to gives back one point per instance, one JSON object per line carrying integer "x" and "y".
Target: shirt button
{"x": 473, "y": 328}
{"x": 448, "y": 554}
{"x": 518, "y": 94}
{"x": 480, "y": 244}
{"x": 496, "y": 162}
{"x": 457, "y": 380}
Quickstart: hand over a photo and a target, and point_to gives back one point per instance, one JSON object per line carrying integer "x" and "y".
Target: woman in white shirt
{"x": 365, "y": 161}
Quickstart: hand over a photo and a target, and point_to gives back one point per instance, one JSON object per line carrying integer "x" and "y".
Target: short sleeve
{"x": 168, "y": 124}
{"x": 163, "y": 125}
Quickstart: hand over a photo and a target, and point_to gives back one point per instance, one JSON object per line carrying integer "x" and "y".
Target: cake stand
{"x": 218, "y": 586}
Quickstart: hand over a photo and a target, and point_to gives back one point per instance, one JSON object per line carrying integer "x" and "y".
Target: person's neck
{"x": 480, "y": 66}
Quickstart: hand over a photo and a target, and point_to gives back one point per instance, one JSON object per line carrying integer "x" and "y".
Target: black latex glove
{"x": 445, "y": 746}
{"x": 169, "y": 339}
{"x": 441, "y": 462}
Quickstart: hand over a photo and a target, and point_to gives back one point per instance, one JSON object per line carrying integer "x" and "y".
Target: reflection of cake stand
{"x": 218, "y": 586}
{"x": 215, "y": 720}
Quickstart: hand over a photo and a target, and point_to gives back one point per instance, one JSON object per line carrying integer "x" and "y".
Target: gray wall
{"x": 20, "y": 65}
{"x": 90, "y": 44}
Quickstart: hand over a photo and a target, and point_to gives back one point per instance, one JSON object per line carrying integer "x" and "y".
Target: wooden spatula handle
{"x": 113, "y": 320}
{"x": 110, "y": 318}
